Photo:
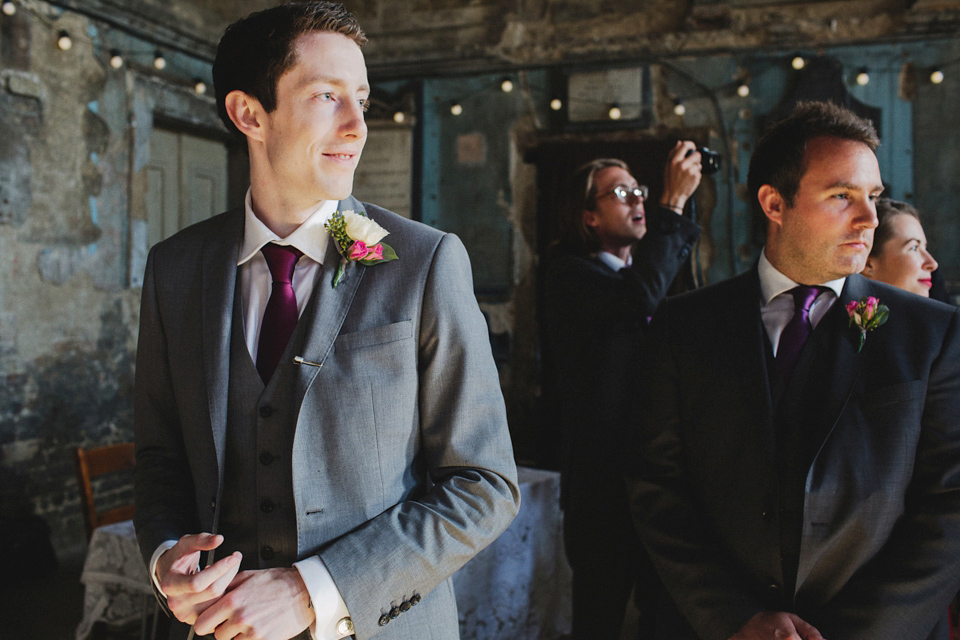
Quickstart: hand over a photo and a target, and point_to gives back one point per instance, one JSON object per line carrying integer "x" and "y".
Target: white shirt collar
{"x": 310, "y": 237}
{"x": 773, "y": 282}
{"x": 612, "y": 261}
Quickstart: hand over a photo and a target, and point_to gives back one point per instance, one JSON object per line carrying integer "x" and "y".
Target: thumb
{"x": 200, "y": 542}
{"x": 806, "y": 630}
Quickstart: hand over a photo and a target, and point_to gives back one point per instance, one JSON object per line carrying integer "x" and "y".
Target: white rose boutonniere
{"x": 358, "y": 239}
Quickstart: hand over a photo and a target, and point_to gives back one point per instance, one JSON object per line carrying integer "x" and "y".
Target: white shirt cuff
{"x": 153, "y": 563}
{"x": 332, "y": 618}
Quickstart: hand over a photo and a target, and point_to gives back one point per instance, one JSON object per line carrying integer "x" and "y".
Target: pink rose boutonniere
{"x": 358, "y": 239}
{"x": 867, "y": 314}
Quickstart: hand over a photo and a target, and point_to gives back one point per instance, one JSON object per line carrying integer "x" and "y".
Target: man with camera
{"x": 613, "y": 264}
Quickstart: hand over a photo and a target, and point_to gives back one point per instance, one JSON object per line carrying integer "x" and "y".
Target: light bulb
{"x": 615, "y": 113}
{"x": 506, "y": 85}
{"x": 456, "y": 109}
{"x": 798, "y": 63}
{"x": 8, "y": 8}
{"x": 116, "y": 60}
{"x": 743, "y": 90}
{"x": 936, "y": 76}
{"x": 159, "y": 62}
{"x": 398, "y": 117}
{"x": 64, "y": 41}
{"x": 679, "y": 109}
{"x": 863, "y": 78}
{"x": 199, "y": 86}
{"x": 556, "y": 104}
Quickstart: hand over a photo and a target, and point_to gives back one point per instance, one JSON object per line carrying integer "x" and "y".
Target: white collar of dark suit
{"x": 777, "y": 305}
{"x": 310, "y": 237}
{"x": 613, "y": 261}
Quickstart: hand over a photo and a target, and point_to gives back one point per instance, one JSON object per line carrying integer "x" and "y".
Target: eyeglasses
{"x": 625, "y": 195}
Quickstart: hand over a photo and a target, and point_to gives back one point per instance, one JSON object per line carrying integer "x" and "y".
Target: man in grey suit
{"x": 322, "y": 421}
{"x": 795, "y": 477}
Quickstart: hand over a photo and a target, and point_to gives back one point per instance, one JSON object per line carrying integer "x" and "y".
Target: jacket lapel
{"x": 837, "y": 365}
{"x": 220, "y": 255}
{"x": 330, "y": 306}
{"x": 745, "y": 335}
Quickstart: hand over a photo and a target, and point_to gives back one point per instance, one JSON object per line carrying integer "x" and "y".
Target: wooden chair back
{"x": 92, "y": 463}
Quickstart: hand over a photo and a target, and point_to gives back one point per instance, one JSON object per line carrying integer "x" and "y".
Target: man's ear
{"x": 772, "y": 203}
{"x": 868, "y": 269}
{"x": 246, "y": 113}
{"x": 590, "y": 218}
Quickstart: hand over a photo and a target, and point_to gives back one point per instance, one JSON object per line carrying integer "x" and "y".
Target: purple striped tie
{"x": 797, "y": 331}
{"x": 280, "y": 316}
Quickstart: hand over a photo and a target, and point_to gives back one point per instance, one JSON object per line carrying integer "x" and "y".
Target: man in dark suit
{"x": 327, "y": 421}
{"x": 787, "y": 482}
{"x": 617, "y": 259}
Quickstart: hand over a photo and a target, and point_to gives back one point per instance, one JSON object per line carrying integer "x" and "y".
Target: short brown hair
{"x": 579, "y": 195}
{"x": 255, "y": 51}
{"x": 780, "y": 157}
{"x": 886, "y": 210}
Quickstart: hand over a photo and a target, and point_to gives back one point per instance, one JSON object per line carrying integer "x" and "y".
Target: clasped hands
{"x": 777, "y": 625}
{"x": 266, "y": 604}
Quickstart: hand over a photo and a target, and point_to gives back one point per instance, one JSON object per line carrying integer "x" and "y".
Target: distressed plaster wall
{"x": 74, "y": 137}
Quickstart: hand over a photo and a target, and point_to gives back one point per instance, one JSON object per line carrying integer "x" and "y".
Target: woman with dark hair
{"x": 899, "y": 255}
{"x": 611, "y": 267}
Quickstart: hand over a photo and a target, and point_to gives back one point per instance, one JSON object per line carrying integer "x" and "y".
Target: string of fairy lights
{"x": 740, "y": 86}
{"x": 117, "y": 58}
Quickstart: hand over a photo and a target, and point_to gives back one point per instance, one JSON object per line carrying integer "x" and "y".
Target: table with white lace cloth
{"x": 116, "y": 585}
{"x": 519, "y": 587}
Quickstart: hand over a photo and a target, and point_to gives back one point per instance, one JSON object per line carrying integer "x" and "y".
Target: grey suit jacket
{"x": 878, "y": 523}
{"x": 402, "y": 461}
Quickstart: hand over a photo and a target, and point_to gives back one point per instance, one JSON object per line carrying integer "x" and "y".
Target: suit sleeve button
{"x": 384, "y": 619}
{"x": 405, "y": 606}
{"x": 415, "y": 599}
{"x": 394, "y": 613}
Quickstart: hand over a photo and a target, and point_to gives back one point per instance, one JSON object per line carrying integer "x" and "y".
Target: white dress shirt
{"x": 777, "y": 305}
{"x": 612, "y": 261}
{"x": 311, "y": 238}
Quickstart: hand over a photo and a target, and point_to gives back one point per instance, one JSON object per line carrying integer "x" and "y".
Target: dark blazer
{"x": 401, "y": 435}
{"x": 595, "y": 320}
{"x": 855, "y": 466}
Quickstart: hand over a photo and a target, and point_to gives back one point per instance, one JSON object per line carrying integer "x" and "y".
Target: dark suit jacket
{"x": 874, "y": 508}
{"x": 595, "y": 320}
{"x": 401, "y": 436}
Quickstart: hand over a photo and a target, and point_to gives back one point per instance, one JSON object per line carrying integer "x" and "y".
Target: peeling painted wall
{"x": 69, "y": 126}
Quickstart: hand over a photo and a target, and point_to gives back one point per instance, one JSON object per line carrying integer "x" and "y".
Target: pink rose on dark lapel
{"x": 866, "y": 314}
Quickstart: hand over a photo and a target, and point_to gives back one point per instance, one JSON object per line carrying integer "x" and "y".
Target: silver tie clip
{"x": 299, "y": 360}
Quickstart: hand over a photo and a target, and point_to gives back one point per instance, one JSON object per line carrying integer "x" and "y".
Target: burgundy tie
{"x": 280, "y": 316}
{"x": 797, "y": 331}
